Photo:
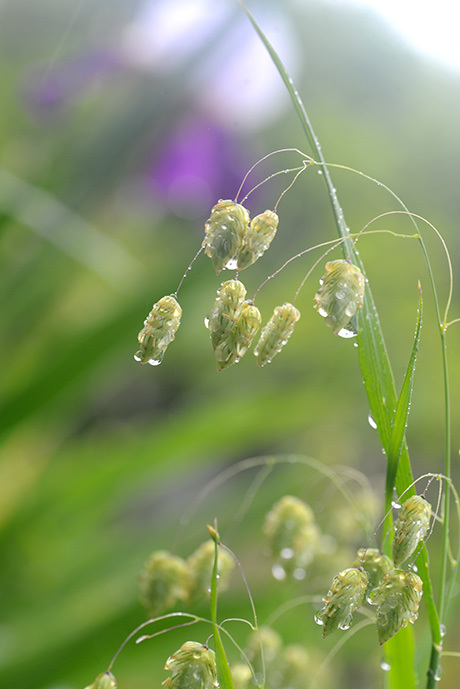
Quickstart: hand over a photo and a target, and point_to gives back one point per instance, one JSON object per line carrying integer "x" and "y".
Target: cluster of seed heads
{"x": 379, "y": 580}
{"x": 234, "y": 241}
{"x": 167, "y": 579}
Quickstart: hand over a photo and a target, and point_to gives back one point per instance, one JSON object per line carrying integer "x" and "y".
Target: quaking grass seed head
{"x": 236, "y": 343}
{"x": 162, "y": 582}
{"x": 159, "y": 330}
{"x": 397, "y": 599}
{"x": 193, "y": 666}
{"x": 199, "y": 571}
{"x": 225, "y": 229}
{"x": 257, "y": 238}
{"x": 411, "y": 527}
{"x": 375, "y": 563}
{"x": 341, "y": 294}
{"x": 104, "y": 681}
{"x": 345, "y": 596}
{"x": 292, "y": 534}
{"x": 276, "y": 333}
{"x": 227, "y": 308}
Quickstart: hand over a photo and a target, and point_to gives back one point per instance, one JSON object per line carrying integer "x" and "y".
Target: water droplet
{"x": 443, "y": 630}
{"x": 319, "y": 617}
{"x": 138, "y": 356}
{"x": 287, "y": 553}
{"x": 322, "y": 312}
{"x": 385, "y": 666}
{"x": 279, "y": 572}
{"x": 155, "y": 362}
{"x": 355, "y": 344}
{"x": 320, "y": 172}
{"x": 395, "y": 505}
{"x": 299, "y": 573}
{"x": 346, "y": 334}
{"x": 372, "y": 423}
{"x": 232, "y": 264}
{"x": 206, "y": 322}
{"x": 438, "y": 674}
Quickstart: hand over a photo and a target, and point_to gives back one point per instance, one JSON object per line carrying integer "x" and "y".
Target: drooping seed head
{"x": 345, "y": 596}
{"x": 397, "y": 600}
{"x": 236, "y": 343}
{"x": 375, "y": 563}
{"x": 162, "y": 582}
{"x": 340, "y": 295}
{"x": 257, "y": 238}
{"x": 276, "y": 333}
{"x": 292, "y": 534}
{"x": 226, "y": 309}
{"x": 159, "y": 330}
{"x": 411, "y": 527}
{"x": 193, "y": 666}
{"x": 225, "y": 229}
{"x": 104, "y": 681}
{"x": 199, "y": 571}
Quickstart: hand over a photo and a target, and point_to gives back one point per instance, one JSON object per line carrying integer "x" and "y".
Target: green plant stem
{"x": 223, "y": 670}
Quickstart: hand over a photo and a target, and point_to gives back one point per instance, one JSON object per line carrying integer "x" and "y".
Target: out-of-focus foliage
{"x": 120, "y": 128}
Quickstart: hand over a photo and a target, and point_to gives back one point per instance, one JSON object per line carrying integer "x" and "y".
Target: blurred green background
{"x": 121, "y": 124}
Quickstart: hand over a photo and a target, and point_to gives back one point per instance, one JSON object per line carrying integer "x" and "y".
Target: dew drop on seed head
{"x": 346, "y": 334}
{"x": 138, "y": 356}
{"x": 206, "y": 322}
{"x": 372, "y": 423}
{"x": 232, "y": 264}
{"x": 318, "y": 618}
{"x": 155, "y": 362}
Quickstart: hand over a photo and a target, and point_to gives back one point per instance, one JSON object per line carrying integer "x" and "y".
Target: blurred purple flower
{"x": 196, "y": 165}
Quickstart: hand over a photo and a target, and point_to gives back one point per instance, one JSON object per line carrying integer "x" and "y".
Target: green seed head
{"x": 411, "y": 527}
{"x": 292, "y": 534}
{"x": 235, "y": 344}
{"x": 375, "y": 563}
{"x": 199, "y": 571}
{"x": 159, "y": 330}
{"x": 257, "y": 239}
{"x": 104, "y": 681}
{"x": 193, "y": 666}
{"x": 224, "y": 233}
{"x": 397, "y": 600}
{"x": 345, "y": 596}
{"x": 162, "y": 582}
{"x": 340, "y": 295}
{"x": 276, "y": 333}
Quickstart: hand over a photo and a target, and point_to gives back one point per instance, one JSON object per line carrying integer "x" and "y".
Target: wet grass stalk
{"x": 380, "y": 387}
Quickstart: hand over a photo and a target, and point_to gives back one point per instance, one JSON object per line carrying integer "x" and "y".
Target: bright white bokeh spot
{"x": 431, "y": 27}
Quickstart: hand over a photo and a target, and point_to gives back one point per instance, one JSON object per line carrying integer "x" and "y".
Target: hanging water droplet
{"x": 438, "y": 674}
{"x": 385, "y": 666}
{"x": 206, "y": 322}
{"x": 138, "y": 356}
{"x": 155, "y": 362}
{"x": 319, "y": 617}
{"x": 442, "y": 629}
{"x": 346, "y": 334}
{"x": 232, "y": 264}
{"x": 372, "y": 423}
